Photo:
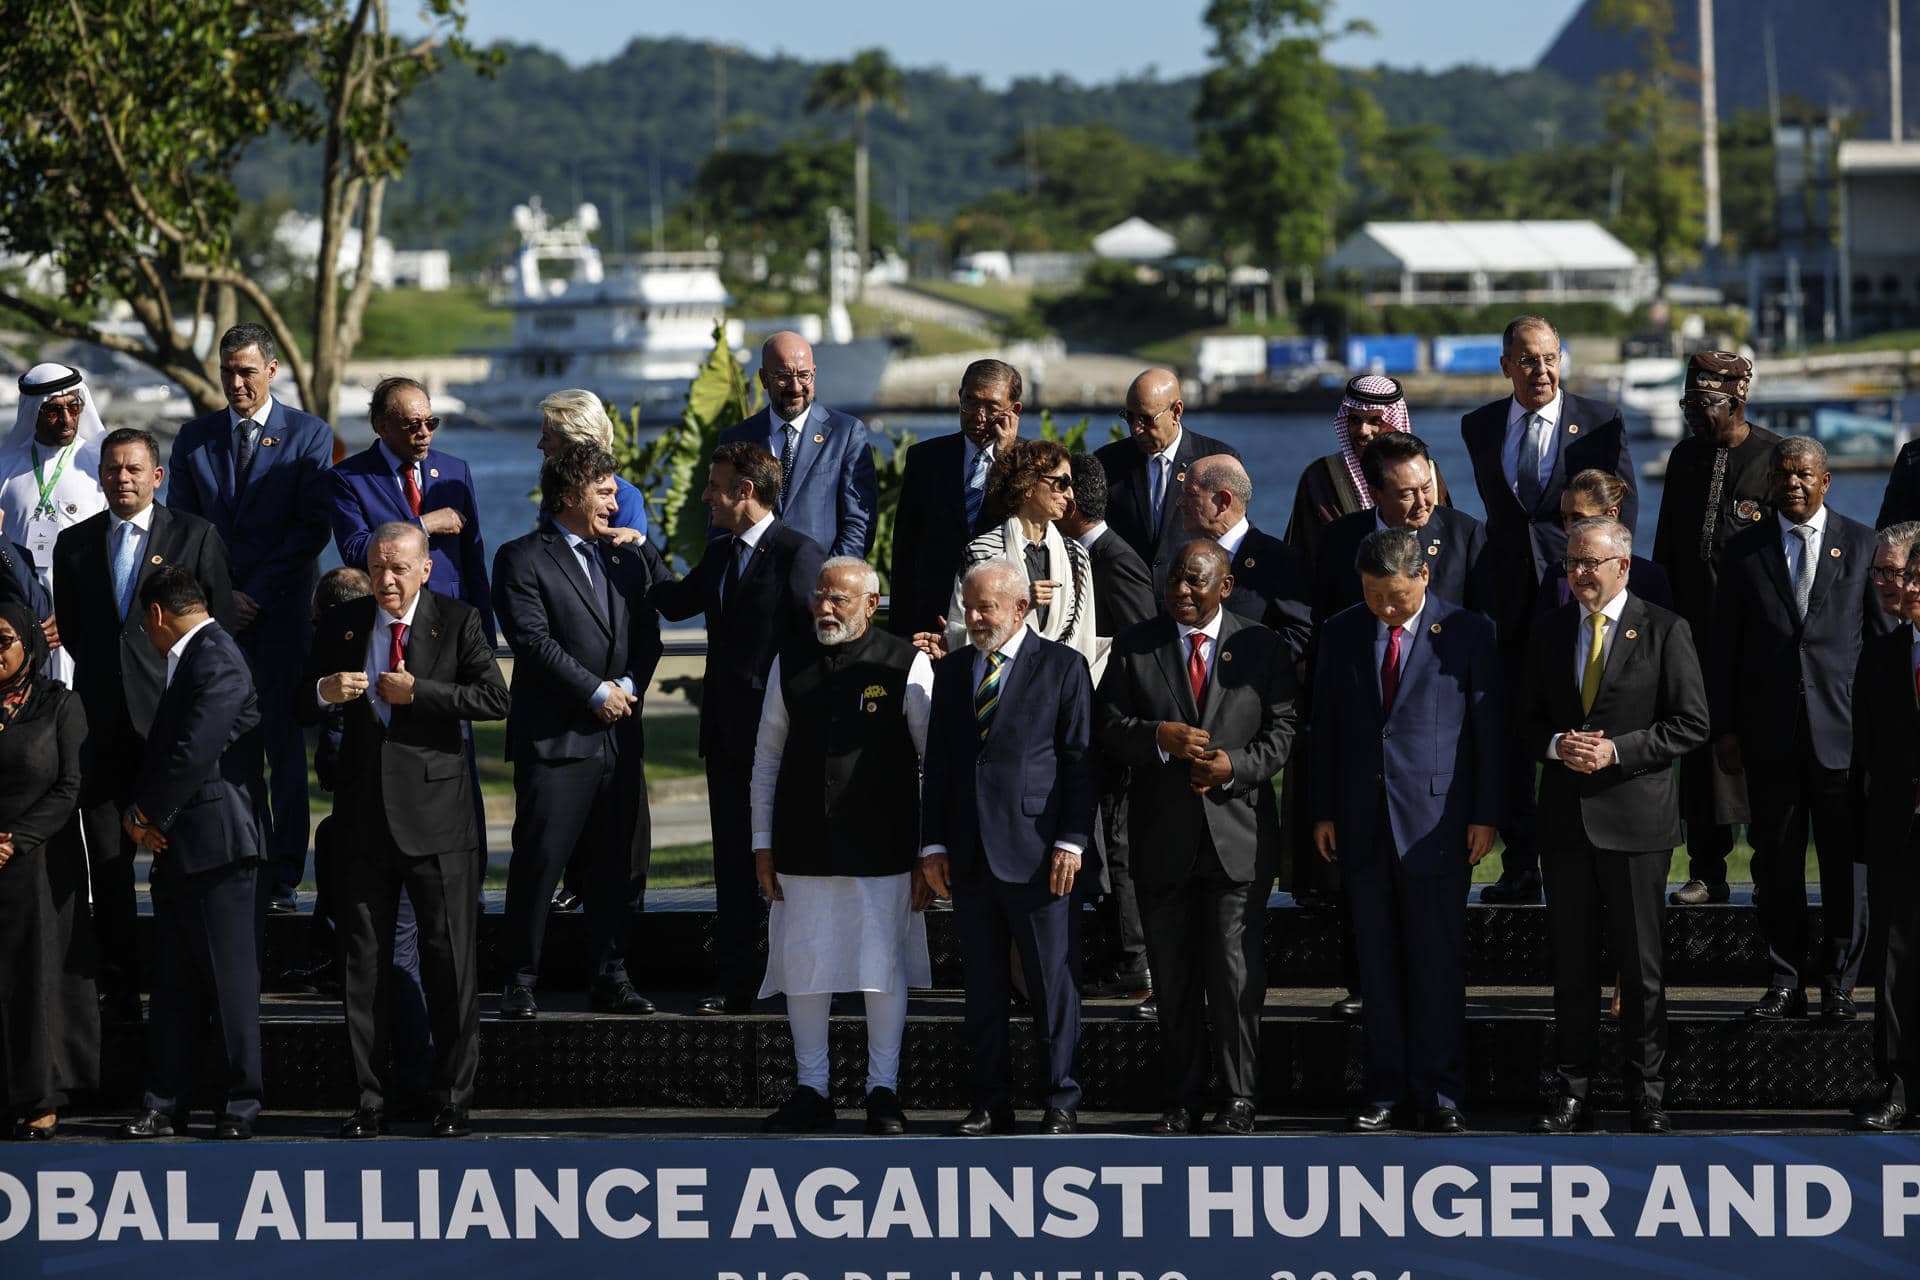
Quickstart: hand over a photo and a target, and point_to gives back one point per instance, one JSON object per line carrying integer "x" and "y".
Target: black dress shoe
{"x": 1651, "y": 1119}
{"x": 619, "y": 997}
{"x": 804, "y": 1111}
{"x": 148, "y": 1124}
{"x": 885, "y": 1118}
{"x": 1060, "y": 1120}
{"x": 321, "y": 979}
{"x": 1513, "y": 891}
{"x": 516, "y": 1004}
{"x": 1564, "y": 1115}
{"x": 451, "y": 1123}
{"x": 721, "y": 1004}
{"x": 1147, "y": 1010}
{"x": 1349, "y": 1006}
{"x": 564, "y": 901}
{"x": 1177, "y": 1123}
{"x": 981, "y": 1123}
{"x": 283, "y": 905}
{"x": 1375, "y": 1117}
{"x": 1698, "y": 893}
{"x": 23, "y": 1131}
{"x": 364, "y": 1123}
{"x": 1445, "y": 1120}
{"x": 1778, "y": 1004}
{"x": 232, "y": 1128}
{"x": 1235, "y": 1118}
{"x": 1837, "y": 1006}
{"x": 120, "y": 1008}
{"x": 1882, "y": 1117}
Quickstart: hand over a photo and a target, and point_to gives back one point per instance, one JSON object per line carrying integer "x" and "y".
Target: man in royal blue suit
{"x": 1409, "y": 725}
{"x": 1007, "y": 806}
{"x": 827, "y": 487}
{"x": 402, "y": 477}
{"x": 254, "y": 471}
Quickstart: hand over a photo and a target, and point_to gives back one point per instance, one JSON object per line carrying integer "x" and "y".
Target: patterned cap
{"x": 1721, "y": 371}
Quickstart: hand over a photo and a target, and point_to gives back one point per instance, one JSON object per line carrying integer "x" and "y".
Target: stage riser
{"x": 748, "y": 1062}
{"x": 1506, "y": 946}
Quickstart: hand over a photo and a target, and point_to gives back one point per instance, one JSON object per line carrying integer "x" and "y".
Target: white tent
{"x": 1452, "y": 262}
{"x": 1135, "y": 240}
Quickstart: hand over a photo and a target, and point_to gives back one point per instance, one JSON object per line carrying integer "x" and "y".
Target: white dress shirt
{"x": 1583, "y": 644}
{"x": 1096, "y": 531}
{"x": 1516, "y": 439}
{"x": 1409, "y": 628}
{"x": 1791, "y": 544}
{"x": 1230, "y": 540}
{"x": 179, "y": 649}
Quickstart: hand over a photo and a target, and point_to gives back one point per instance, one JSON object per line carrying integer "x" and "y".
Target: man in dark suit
{"x": 1007, "y": 811}
{"x": 412, "y": 667}
{"x": 1524, "y": 448}
{"x": 943, "y": 491}
{"x": 1400, "y": 476}
{"x": 1796, "y": 603}
{"x": 1612, "y": 698}
{"x": 1145, "y": 473}
{"x": 1122, "y": 597}
{"x": 198, "y": 801}
{"x": 1272, "y": 584}
{"x": 402, "y": 477}
{"x": 1411, "y": 726}
{"x": 585, "y": 643}
{"x": 755, "y": 585}
{"x": 1200, "y": 707}
{"x": 253, "y": 470}
{"x": 828, "y": 491}
{"x": 1886, "y": 795}
{"x": 99, "y": 565}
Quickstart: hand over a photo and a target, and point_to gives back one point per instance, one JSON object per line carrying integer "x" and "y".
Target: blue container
{"x": 1295, "y": 353}
{"x": 1467, "y": 353}
{"x": 1384, "y": 353}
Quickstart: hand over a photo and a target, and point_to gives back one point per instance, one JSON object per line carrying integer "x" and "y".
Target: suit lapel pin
{"x": 1225, "y": 656}
{"x": 73, "y": 508}
{"x": 347, "y": 636}
{"x": 1435, "y": 628}
{"x": 1182, "y": 476}
{"x": 1834, "y": 552}
{"x": 434, "y": 472}
{"x": 873, "y": 706}
{"x": 268, "y": 442}
{"x": 1248, "y": 562}
{"x": 1573, "y": 428}
{"x": 158, "y": 560}
{"x": 1632, "y": 634}
{"x": 818, "y": 439}
{"x": 434, "y": 632}
{"x": 1433, "y": 548}
{"x": 614, "y": 558}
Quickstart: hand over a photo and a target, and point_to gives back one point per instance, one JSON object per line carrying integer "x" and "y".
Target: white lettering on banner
{"x": 1899, "y": 1196}
{"x": 762, "y": 1205}
{"x": 1801, "y": 1179}
{"x": 1273, "y": 1201}
{"x": 532, "y": 1202}
{"x": 1507, "y": 1200}
{"x": 1074, "y": 1215}
{"x": 1727, "y": 1195}
{"x": 373, "y": 1222}
{"x": 128, "y": 1205}
{"x": 1386, "y": 1206}
{"x": 1465, "y": 1218}
{"x": 674, "y": 1202}
{"x": 598, "y": 1193}
{"x": 477, "y": 1204}
{"x": 318, "y": 1228}
{"x": 989, "y": 1200}
{"x": 1131, "y": 1179}
{"x": 66, "y": 1209}
{"x": 844, "y": 1224}
{"x": 19, "y": 1205}
{"x": 267, "y": 1207}
{"x": 180, "y": 1225}
{"x": 899, "y": 1205}
{"x": 1203, "y": 1201}
{"x": 1580, "y": 1191}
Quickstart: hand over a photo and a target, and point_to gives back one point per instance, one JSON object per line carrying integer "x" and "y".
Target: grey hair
{"x": 1005, "y": 574}
{"x": 1604, "y": 527}
{"x": 580, "y": 416}
{"x": 399, "y": 531}
{"x": 869, "y": 579}
{"x": 1519, "y": 325}
{"x": 1796, "y": 448}
{"x": 1386, "y": 553}
{"x": 1222, "y": 471}
{"x": 1902, "y": 535}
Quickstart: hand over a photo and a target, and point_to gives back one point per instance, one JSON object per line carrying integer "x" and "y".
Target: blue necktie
{"x": 126, "y": 564}
{"x": 977, "y": 488}
{"x": 243, "y": 454}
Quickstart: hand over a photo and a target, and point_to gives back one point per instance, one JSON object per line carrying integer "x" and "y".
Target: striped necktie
{"x": 986, "y": 697}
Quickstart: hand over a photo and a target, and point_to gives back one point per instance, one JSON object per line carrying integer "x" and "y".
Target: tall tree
{"x": 1270, "y": 116}
{"x": 869, "y": 80}
{"x": 1651, "y": 125}
{"x": 124, "y": 123}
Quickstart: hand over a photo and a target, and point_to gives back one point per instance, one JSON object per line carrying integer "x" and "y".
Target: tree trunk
{"x": 860, "y": 201}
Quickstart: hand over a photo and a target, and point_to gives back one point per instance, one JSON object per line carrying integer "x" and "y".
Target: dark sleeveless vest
{"x": 847, "y": 801}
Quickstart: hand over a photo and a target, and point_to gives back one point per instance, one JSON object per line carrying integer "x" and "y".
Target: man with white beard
{"x": 836, "y": 822}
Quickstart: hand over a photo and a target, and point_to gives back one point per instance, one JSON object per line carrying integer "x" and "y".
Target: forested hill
{"x": 596, "y": 132}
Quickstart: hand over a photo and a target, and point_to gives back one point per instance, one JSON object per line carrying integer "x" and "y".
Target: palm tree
{"x": 870, "y": 80}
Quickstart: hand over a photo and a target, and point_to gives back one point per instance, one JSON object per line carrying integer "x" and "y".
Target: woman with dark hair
{"x": 49, "y": 1042}
{"x": 1332, "y": 486}
{"x": 1026, "y": 493}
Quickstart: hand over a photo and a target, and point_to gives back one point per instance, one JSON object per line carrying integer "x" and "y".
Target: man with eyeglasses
{"x": 1146, "y": 471}
{"x": 828, "y": 490}
{"x": 402, "y": 477}
{"x": 1524, "y": 448}
{"x": 943, "y": 492}
{"x": 1719, "y": 482}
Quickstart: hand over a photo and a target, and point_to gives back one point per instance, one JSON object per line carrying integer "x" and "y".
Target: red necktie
{"x": 1390, "y": 671}
{"x": 1197, "y": 670}
{"x": 397, "y": 650}
{"x": 412, "y": 487}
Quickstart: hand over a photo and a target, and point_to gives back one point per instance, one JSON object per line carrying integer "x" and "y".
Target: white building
{"x": 1479, "y": 262}
{"x": 1135, "y": 240}
{"x": 296, "y": 241}
{"x": 429, "y": 270}
{"x": 1879, "y": 248}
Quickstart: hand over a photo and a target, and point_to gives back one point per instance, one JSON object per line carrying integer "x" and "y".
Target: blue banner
{"x": 1467, "y": 353}
{"x": 1383, "y": 353}
{"x": 1095, "y": 1208}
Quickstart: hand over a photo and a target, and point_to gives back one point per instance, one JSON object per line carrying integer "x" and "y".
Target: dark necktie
{"x": 1714, "y": 488}
{"x": 397, "y": 647}
{"x": 1035, "y": 555}
{"x": 1197, "y": 669}
{"x": 412, "y": 488}
{"x": 731, "y": 580}
{"x": 977, "y": 488}
{"x": 786, "y": 463}
{"x": 1390, "y": 671}
{"x": 986, "y": 694}
{"x": 243, "y": 455}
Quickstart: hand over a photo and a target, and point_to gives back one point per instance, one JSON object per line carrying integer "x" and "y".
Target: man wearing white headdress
{"x": 50, "y": 473}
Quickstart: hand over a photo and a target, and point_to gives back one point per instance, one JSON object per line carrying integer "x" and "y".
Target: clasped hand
{"x": 1586, "y": 751}
{"x": 395, "y": 688}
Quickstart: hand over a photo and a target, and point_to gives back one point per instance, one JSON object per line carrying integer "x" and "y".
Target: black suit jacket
{"x": 769, "y": 608}
{"x": 567, "y": 644}
{"x": 1769, "y": 659}
{"x": 1272, "y": 586}
{"x": 1130, "y": 496}
{"x": 20, "y": 580}
{"x": 1122, "y": 588}
{"x": 1901, "y": 501}
{"x": 1652, "y": 703}
{"x": 930, "y": 534}
{"x": 417, "y": 764}
{"x": 1250, "y": 713}
{"x": 201, "y": 779}
{"x": 1886, "y": 743}
{"x": 1527, "y": 544}
{"x": 118, "y": 674}
{"x": 1459, "y": 569}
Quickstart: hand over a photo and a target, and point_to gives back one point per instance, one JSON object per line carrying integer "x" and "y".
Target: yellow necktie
{"x": 1596, "y": 659}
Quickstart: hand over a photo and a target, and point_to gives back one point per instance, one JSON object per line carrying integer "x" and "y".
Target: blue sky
{"x": 1091, "y": 40}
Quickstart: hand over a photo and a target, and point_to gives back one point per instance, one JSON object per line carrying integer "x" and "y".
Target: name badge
{"x": 41, "y": 532}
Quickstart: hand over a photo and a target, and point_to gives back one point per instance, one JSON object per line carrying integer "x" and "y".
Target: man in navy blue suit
{"x": 197, "y": 803}
{"x": 827, "y": 487}
{"x": 1145, "y": 472}
{"x": 253, "y": 471}
{"x": 1007, "y": 806}
{"x": 402, "y": 477}
{"x": 1409, "y": 723}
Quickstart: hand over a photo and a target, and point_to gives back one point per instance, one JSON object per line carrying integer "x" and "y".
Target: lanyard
{"x": 44, "y": 507}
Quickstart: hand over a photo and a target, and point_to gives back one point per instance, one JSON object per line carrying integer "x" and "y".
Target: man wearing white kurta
{"x": 835, "y": 833}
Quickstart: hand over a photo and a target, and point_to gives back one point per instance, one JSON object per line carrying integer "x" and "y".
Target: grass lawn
{"x": 999, "y": 298}
{"x": 927, "y": 338}
{"x": 1739, "y": 865}
{"x": 402, "y": 323}
{"x": 1180, "y": 350}
{"x": 1898, "y": 340}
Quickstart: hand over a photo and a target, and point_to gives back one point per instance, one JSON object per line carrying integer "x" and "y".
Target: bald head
{"x": 786, "y": 373}
{"x": 1153, "y": 409}
{"x": 1215, "y": 495}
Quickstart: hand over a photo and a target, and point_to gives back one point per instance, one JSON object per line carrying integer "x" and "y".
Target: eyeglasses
{"x": 1705, "y": 399}
{"x": 1887, "y": 577}
{"x": 1586, "y": 564}
{"x": 1533, "y": 364}
{"x": 418, "y": 424}
{"x": 983, "y": 410}
{"x": 1061, "y": 484}
{"x": 1143, "y": 421}
{"x": 804, "y": 378}
{"x": 60, "y": 409}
